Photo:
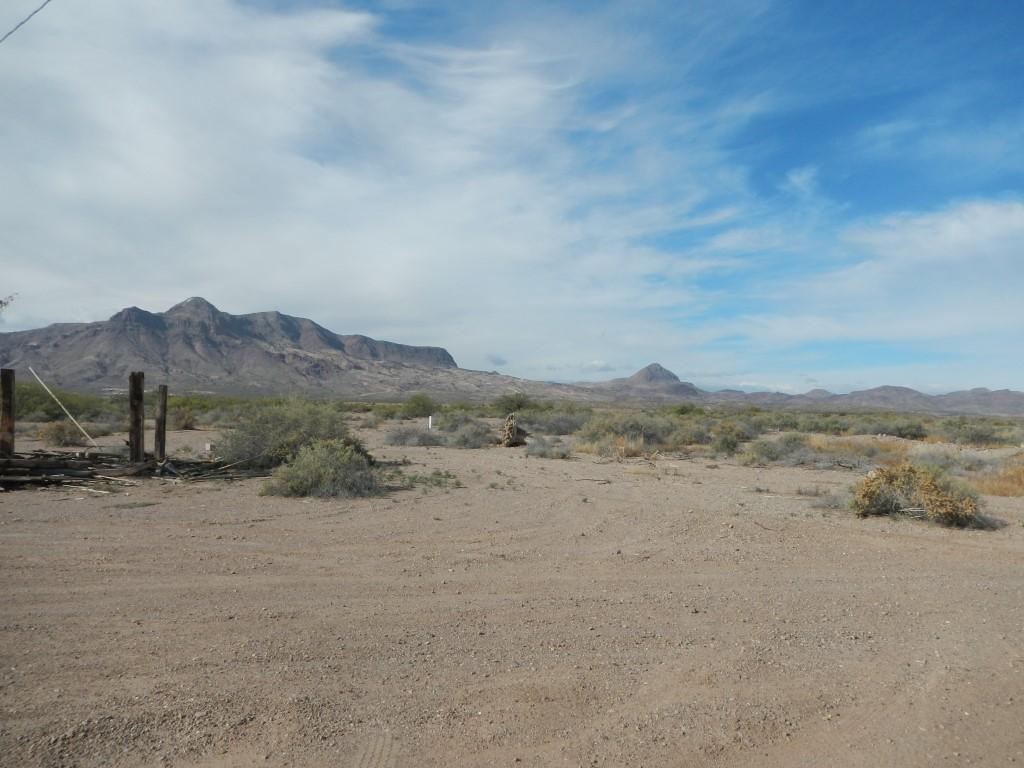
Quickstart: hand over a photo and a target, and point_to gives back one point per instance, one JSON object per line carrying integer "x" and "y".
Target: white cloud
{"x": 305, "y": 161}
{"x": 480, "y": 192}
{"x": 942, "y": 276}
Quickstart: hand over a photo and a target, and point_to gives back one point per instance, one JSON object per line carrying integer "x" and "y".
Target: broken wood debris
{"x": 42, "y": 468}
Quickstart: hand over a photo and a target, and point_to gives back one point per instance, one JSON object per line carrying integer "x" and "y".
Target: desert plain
{"x": 664, "y": 611}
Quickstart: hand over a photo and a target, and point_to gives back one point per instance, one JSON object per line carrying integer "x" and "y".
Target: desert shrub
{"x": 909, "y": 489}
{"x": 956, "y": 461}
{"x": 547, "y": 449}
{"x": 181, "y": 418}
{"x": 634, "y": 426}
{"x": 771, "y": 451}
{"x": 61, "y": 433}
{"x": 387, "y": 410}
{"x": 512, "y": 402}
{"x": 822, "y": 424}
{"x": 966, "y": 431}
{"x": 326, "y": 468}
{"x": 726, "y": 439}
{"x": 270, "y": 435}
{"x": 560, "y": 421}
{"x": 452, "y": 421}
{"x": 472, "y": 434}
{"x": 414, "y": 436}
{"x": 686, "y": 409}
{"x": 690, "y": 433}
{"x": 30, "y": 398}
{"x": 418, "y": 406}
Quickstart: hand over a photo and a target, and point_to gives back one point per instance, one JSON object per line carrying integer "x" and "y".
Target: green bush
{"x": 267, "y": 436}
{"x": 686, "y": 409}
{"x": 966, "y": 431}
{"x": 726, "y": 443}
{"x": 32, "y": 399}
{"x": 419, "y": 406}
{"x": 326, "y": 468}
{"x": 513, "y": 402}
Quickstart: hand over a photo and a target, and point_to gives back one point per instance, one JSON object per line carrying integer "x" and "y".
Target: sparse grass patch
{"x": 906, "y": 489}
{"x": 326, "y": 468}
{"x": 1007, "y": 480}
{"x": 436, "y": 479}
{"x": 415, "y": 436}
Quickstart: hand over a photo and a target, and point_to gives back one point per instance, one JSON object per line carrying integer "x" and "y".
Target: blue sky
{"x": 762, "y": 195}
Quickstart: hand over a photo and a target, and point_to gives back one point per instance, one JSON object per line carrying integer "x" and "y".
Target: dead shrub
{"x": 61, "y": 434}
{"x": 906, "y": 489}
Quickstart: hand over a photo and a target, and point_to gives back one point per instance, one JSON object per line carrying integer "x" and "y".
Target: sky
{"x": 755, "y": 194}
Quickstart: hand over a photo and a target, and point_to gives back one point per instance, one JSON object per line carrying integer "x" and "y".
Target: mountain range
{"x": 194, "y": 347}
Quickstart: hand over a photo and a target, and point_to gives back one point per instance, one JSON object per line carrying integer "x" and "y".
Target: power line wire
{"x": 25, "y": 21}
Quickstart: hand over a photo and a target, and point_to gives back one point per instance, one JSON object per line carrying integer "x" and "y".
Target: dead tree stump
{"x": 511, "y": 434}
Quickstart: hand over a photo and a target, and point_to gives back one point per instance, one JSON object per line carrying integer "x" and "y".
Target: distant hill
{"x": 653, "y": 382}
{"x": 194, "y": 347}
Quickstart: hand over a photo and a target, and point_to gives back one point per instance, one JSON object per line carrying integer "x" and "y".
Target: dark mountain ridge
{"x": 194, "y": 346}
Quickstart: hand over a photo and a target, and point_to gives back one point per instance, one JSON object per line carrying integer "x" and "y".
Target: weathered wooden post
{"x": 136, "y": 418}
{"x": 160, "y": 435}
{"x": 6, "y": 412}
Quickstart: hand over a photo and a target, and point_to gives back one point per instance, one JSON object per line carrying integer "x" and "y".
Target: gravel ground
{"x": 667, "y": 613}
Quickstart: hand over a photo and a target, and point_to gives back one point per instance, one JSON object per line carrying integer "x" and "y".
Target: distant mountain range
{"x": 194, "y": 347}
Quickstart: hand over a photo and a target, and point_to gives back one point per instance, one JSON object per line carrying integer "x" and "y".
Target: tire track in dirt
{"x": 380, "y": 751}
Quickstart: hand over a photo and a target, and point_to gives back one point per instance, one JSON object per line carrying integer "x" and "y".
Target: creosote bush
{"x": 326, "y": 468}
{"x": 906, "y": 488}
{"x": 513, "y": 402}
{"x": 270, "y": 435}
{"x": 418, "y": 406}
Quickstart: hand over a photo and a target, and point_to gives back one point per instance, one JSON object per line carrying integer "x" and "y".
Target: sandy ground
{"x": 548, "y": 613}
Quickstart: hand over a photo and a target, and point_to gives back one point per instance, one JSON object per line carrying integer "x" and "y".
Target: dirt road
{"x": 548, "y": 613}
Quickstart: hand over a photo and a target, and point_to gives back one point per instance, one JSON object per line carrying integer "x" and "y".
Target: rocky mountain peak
{"x": 653, "y": 374}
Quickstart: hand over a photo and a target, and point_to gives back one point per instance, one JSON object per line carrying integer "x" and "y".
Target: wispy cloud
{"x": 650, "y": 186}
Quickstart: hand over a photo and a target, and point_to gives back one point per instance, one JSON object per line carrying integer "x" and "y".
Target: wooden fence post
{"x": 136, "y": 418}
{"x": 6, "y": 412}
{"x": 160, "y": 436}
